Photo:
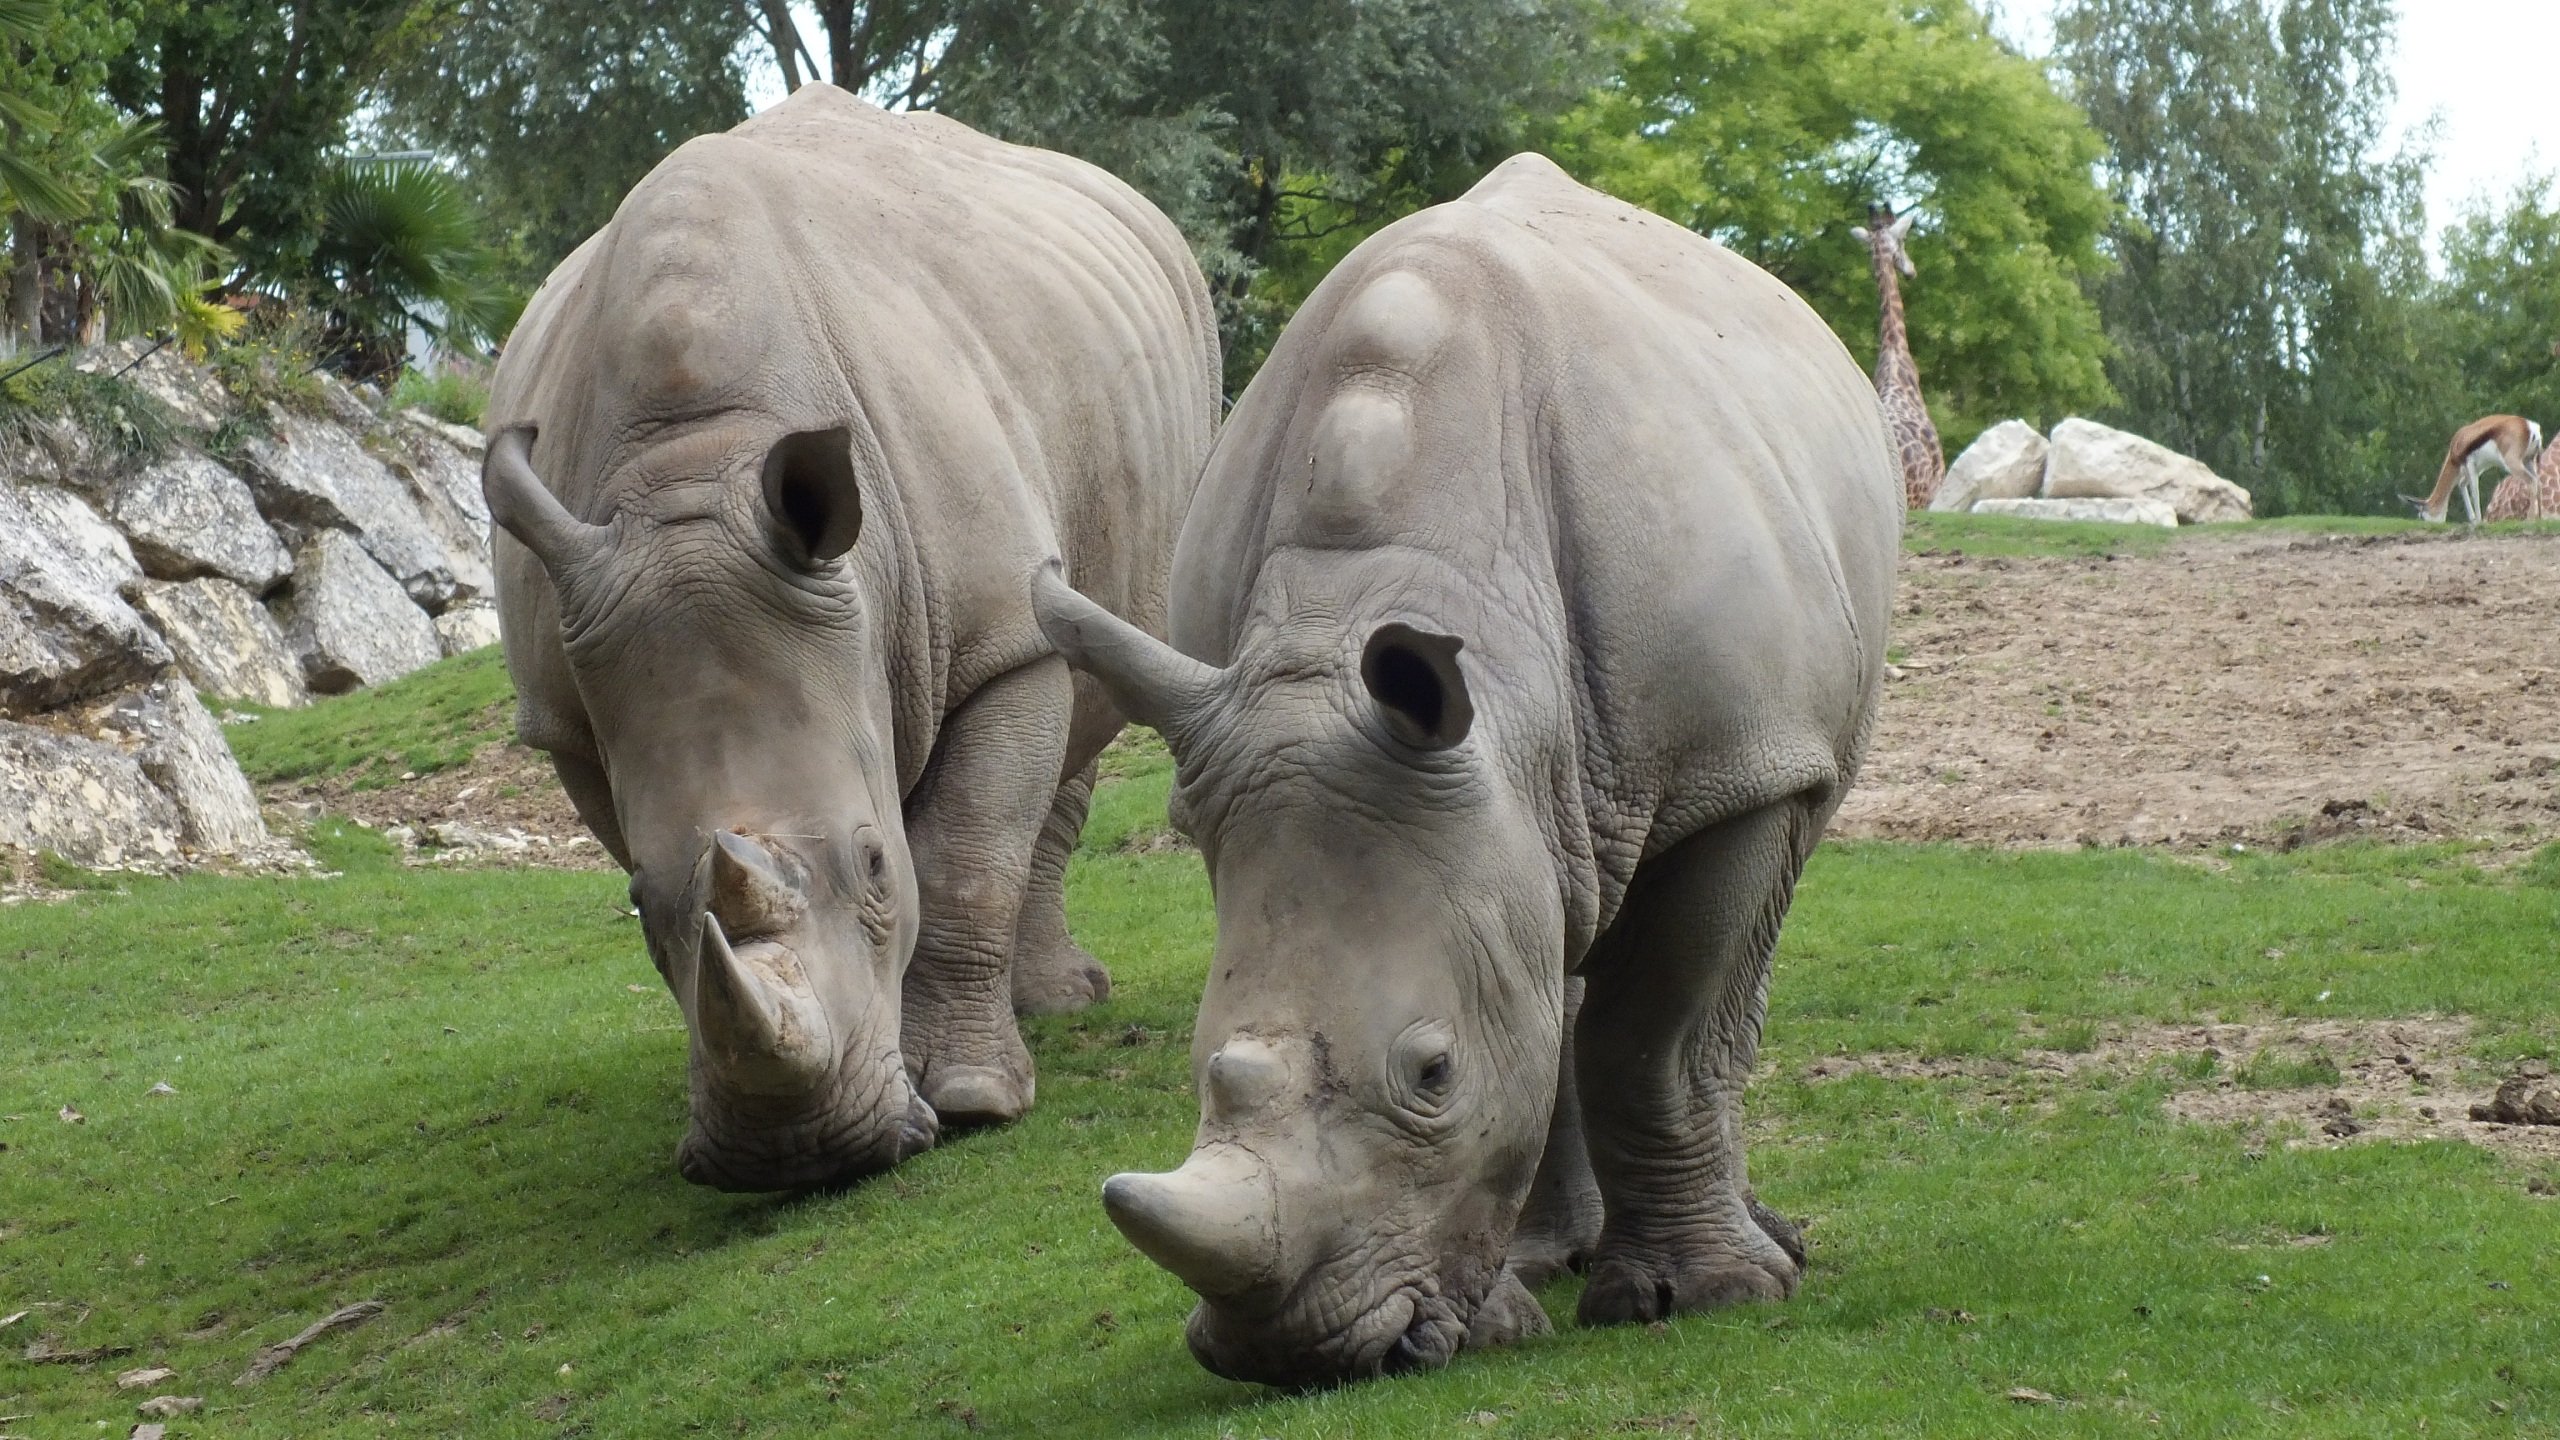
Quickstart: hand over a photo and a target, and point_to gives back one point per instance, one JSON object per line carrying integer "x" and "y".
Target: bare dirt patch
{"x": 503, "y": 807}
{"x": 2250, "y": 688}
{"x": 2295, "y": 1083}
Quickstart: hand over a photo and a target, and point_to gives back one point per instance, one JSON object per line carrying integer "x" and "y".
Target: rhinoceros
{"x": 1528, "y": 626}
{"x": 773, "y": 450}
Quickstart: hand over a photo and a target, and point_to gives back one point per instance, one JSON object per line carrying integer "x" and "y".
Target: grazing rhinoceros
{"x": 1528, "y": 626}
{"x": 776, "y": 447}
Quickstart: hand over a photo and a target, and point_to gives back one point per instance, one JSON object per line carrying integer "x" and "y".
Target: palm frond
{"x": 26, "y": 19}
{"x": 42, "y": 192}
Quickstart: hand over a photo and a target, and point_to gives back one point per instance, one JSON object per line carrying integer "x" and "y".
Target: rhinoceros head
{"x": 1377, "y": 1045}
{"x": 717, "y": 634}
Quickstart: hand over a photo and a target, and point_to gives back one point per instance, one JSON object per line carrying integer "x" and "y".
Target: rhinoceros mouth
{"x": 738, "y": 1152}
{"x": 1411, "y": 1327}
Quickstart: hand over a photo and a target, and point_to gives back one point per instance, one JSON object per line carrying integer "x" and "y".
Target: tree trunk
{"x": 26, "y": 281}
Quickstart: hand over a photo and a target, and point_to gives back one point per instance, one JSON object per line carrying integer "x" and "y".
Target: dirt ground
{"x": 2297, "y": 1083}
{"x": 2269, "y": 689}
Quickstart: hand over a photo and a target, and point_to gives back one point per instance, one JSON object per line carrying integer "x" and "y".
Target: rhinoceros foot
{"x": 965, "y": 1095}
{"x": 1509, "y": 1313}
{"x": 1059, "y": 982}
{"x": 1626, "y": 1288}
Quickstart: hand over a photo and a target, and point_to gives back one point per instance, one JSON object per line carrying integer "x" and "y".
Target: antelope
{"x": 2510, "y": 442}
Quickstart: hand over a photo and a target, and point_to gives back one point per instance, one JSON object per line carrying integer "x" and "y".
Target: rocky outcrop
{"x": 2114, "y": 512}
{"x": 2005, "y": 463}
{"x": 188, "y": 517}
{"x": 65, "y": 632}
{"x": 349, "y": 620}
{"x": 342, "y": 549}
{"x": 2095, "y": 462}
{"x": 225, "y": 639}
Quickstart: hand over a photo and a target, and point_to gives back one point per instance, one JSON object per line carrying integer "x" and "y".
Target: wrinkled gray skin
{"x": 1529, "y": 626}
{"x": 800, "y": 418}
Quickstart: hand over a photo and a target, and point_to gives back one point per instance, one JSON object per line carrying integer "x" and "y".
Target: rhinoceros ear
{"x": 1152, "y": 683}
{"x": 525, "y": 508}
{"x": 1414, "y": 677}
{"x": 811, "y": 494}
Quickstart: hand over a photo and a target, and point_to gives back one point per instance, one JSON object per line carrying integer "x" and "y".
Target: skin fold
{"x": 1527, "y": 629}
{"x": 770, "y": 454}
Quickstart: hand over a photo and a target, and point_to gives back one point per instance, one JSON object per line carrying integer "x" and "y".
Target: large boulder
{"x": 180, "y": 749}
{"x": 104, "y": 558}
{"x": 189, "y": 392}
{"x": 2113, "y": 511}
{"x": 84, "y": 800}
{"x": 312, "y": 475}
{"x": 444, "y": 473}
{"x": 225, "y": 640}
{"x": 350, "y": 622}
{"x": 2005, "y": 463}
{"x": 472, "y": 625}
{"x": 65, "y": 634}
{"x": 2090, "y": 461}
{"x": 189, "y": 517}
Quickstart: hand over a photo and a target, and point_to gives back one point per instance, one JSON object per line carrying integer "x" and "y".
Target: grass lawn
{"x": 1930, "y": 532}
{"x": 459, "y": 1093}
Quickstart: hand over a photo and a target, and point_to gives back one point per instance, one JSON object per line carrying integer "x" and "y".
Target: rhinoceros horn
{"x": 762, "y": 1037}
{"x": 1151, "y": 681}
{"x": 525, "y": 507}
{"x": 1213, "y": 1223}
{"x": 750, "y": 895}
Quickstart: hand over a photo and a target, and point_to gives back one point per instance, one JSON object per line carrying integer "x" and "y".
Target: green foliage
{"x": 453, "y": 391}
{"x": 274, "y": 367}
{"x": 430, "y": 720}
{"x": 554, "y": 109}
{"x": 1929, "y": 532}
{"x": 1772, "y": 128}
{"x": 130, "y": 427}
{"x": 2264, "y": 305}
{"x": 399, "y": 244}
{"x": 456, "y": 1092}
{"x": 2493, "y": 322}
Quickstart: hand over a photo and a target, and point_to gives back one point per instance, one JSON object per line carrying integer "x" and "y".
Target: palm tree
{"x": 399, "y": 245}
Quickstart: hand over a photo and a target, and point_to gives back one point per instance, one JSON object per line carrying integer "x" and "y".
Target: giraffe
{"x": 2510, "y": 442}
{"x": 1915, "y": 436}
{"x": 2534, "y": 497}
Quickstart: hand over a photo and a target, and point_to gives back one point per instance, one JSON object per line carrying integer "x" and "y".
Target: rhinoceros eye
{"x": 1424, "y": 1070}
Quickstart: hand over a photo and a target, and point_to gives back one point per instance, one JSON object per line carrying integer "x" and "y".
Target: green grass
{"x": 1929, "y": 532}
{"x": 453, "y": 392}
{"x": 429, "y": 720}
{"x": 459, "y": 1093}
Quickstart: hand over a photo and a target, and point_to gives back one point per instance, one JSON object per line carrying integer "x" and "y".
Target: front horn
{"x": 1152, "y": 682}
{"x": 762, "y": 1037}
{"x": 525, "y": 508}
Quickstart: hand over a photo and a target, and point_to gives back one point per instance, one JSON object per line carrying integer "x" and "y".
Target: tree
{"x": 399, "y": 245}
{"x": 251, "y": 99}
{"x": 2494, "y": 322}
{"x": 2269, "y": 268}
{"x": 1771, "y": 128}
{"x": 554, "y": 109}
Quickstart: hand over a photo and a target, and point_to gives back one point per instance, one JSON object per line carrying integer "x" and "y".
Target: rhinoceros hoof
{"x": 1623, "y": 1291}
{"x": 1058, "y": 984}
{"x": 963, "y": 1095}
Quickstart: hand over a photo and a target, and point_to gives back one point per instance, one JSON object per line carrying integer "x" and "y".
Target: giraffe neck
{"x": 1894, "y": 367}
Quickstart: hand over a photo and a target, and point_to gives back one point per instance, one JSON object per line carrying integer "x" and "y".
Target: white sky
{"x": 2488, "y": 69}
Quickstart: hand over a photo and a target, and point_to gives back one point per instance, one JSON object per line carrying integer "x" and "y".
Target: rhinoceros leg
{"x": 973, "y": 823}
{"x": 1052, "y": 974}
{"x": 1560, "y": 1221}
{"x": 1669, "y": 1030}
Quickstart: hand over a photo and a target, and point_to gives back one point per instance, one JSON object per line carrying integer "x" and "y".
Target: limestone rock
{"x": 86, "y": 801}
{"x": 350, "y": 621}
{"x": 189, "y": 517}
{"x": 312, "y": 475}
{"x": 186, "y": 390}
{"x": 461, "y": 437}
{"x": 65, "y": 633}
{"x": 445, "y": 486}
{"x": 472, "y": 625}
{"x": 2006, "y": 462}
{"x": 2092, "y": 461}
{"x": 180, "y": 749}
{"x": 2112, "y": 511}
{"x": 225, "y": 640}
{"x": 80, "y": 532}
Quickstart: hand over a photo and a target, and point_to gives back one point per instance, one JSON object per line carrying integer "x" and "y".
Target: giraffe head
{"x": 1883, "y": 236}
